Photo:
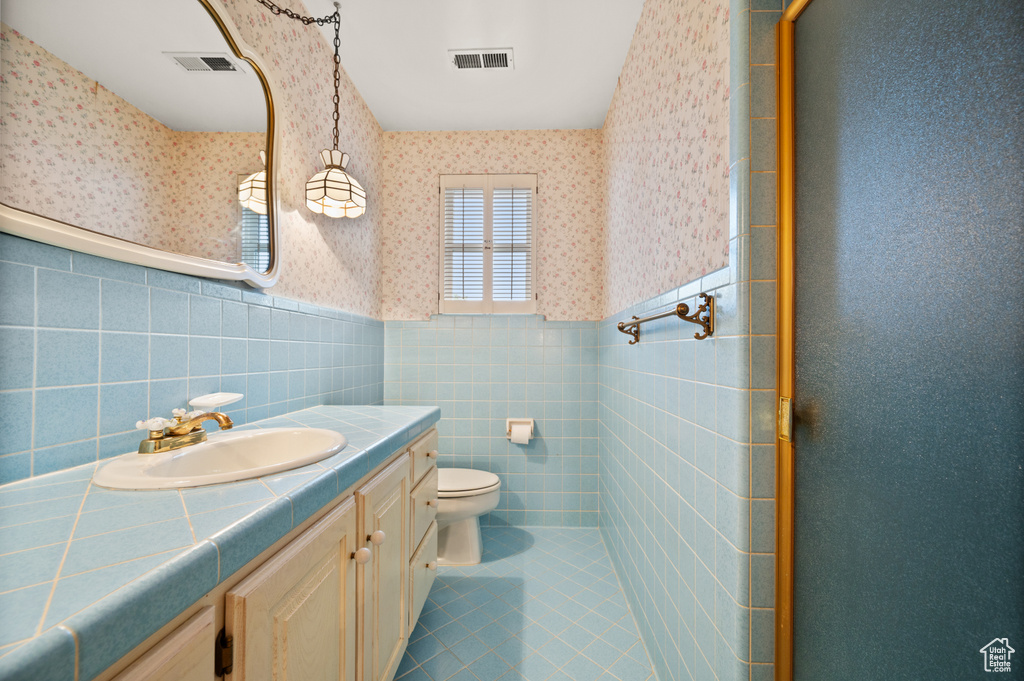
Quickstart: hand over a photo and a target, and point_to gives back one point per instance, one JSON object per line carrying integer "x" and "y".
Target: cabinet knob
{"x": 363, "y": 556}
{"x": 377, "y": 538}
{"x": 432, "y": 565}
{"x": 432, "y": 503}
{"x": 432, "y": 454}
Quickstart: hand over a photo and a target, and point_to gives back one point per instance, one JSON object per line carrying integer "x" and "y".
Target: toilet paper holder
{"x": 517, "y": 422}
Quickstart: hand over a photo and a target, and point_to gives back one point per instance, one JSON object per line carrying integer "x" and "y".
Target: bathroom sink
{"x": 224, "y": 457}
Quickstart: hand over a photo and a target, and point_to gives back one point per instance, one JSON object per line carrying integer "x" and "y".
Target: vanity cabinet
{"x": 295, "y": 616}
{"x": 384, "y": 521}
{"x": 335, "y": 603}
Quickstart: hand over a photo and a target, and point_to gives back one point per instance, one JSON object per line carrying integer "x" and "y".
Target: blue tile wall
{"x": 90, "y": 346}
{"x": 687, "y": 456}
{"x": 482, "y": 369}
{"x": 761, "y": 219}
{"x": 675, "y": 458}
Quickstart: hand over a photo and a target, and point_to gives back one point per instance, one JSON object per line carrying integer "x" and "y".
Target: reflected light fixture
{"x": 252, "y": 192}
{"x": 332, "y": 191}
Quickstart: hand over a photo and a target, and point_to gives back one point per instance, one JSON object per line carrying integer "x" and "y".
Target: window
{"x": 487, "y": 244}
{"x": 255, "y": 240}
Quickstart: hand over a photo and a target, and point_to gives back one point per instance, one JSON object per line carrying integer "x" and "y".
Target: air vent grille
{"x": 495, "y": 58}
{"x": 468, "y": 61}
{"x": 218, "y": 63}
{"x": 203, "y": 62}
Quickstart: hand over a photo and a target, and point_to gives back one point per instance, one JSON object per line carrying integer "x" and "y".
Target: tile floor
{"x": 544, "y": 604}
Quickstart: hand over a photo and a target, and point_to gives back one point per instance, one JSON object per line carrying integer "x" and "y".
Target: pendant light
{"x": 252, "y": 192}
{"x": 332, "y": 191}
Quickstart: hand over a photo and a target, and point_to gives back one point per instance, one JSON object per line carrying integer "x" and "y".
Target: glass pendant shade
{"x": 334, "y": 192}
{"x": 252, "y": 192}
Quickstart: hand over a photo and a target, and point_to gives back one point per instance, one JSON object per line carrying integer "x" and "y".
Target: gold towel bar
{"x": 703, "y": 317}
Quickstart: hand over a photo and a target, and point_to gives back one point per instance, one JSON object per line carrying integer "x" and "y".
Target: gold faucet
{"x": 185, "y": 430}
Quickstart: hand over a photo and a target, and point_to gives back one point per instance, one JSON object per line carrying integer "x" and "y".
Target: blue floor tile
{"x": 443, "y": 666}
{"x": 470, "y": 649}
{"x": 424, "y": 649}
{"x": 543, "y": 604}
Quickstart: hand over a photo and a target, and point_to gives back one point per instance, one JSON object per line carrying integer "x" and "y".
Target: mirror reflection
{"x": 135, "y": 120}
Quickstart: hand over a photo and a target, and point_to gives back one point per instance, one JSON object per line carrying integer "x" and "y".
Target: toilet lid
{"x": 464, "y": 482}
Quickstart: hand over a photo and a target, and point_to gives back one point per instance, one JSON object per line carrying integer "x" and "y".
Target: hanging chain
{"x": 320, "y": 21}
{"x": 337, "y": 72}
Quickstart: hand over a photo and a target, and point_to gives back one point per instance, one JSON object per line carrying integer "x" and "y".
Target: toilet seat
{"x": 465, "y": 482}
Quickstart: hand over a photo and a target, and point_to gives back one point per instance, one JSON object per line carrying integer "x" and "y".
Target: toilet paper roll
{"x": 521, "y": 433}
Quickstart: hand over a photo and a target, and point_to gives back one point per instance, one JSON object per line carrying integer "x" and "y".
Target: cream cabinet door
{"x": 295, "y": 617}
{"x": 186, "y": 654}
{"x": 383, "y": 586}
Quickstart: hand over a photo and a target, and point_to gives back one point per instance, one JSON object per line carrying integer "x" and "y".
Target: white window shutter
{"x": 464, "y": 244}
{"x": 512, "y": 242}
{"x": 487, "y": 232}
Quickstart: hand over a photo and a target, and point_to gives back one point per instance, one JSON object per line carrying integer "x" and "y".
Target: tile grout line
{"x": 85, "y": 607}
{"x": 188, "y": 518}
{"x": 99, "y": 371}
{"x": 74, "y": 637}
{"x": 60, "y": 568}
{"x": 35, "y": 368}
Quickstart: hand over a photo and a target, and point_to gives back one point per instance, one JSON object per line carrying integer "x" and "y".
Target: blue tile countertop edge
{"x": 129, "y": 606}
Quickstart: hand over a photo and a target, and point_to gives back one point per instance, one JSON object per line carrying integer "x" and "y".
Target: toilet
{"x": 463, "y": 495}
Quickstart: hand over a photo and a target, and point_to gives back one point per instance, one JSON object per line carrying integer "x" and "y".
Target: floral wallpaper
{"x": 625, "y": 213}
{"x": 56, "y": 118}
{"x": 332, "y": 262}
{"x": 570, "y": 213}
{"x": 203, "y": 184}
{"x": 666, "y": 150}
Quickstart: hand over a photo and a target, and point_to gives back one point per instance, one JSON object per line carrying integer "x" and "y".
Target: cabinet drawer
{"x": 424, "y": 454}
{"x": 422, "y": 570}
{"x": 424, "y": 507}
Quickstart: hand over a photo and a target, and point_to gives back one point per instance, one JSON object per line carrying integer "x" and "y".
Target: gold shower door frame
{"x": 785, "y": 221}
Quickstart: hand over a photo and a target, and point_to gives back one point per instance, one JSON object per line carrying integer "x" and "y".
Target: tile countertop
{"x": 87, "y": 573}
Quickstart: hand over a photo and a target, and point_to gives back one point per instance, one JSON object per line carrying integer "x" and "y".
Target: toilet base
{"x": 460, "y": 542}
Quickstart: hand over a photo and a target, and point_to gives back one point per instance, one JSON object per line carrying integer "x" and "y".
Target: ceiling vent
{"x": 204, "y": 62}
{"x": 496, "y": 58}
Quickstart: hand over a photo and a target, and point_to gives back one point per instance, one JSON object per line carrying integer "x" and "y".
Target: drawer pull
{"x": 363, "y": 556}
{"x": 432, "y": 565}
{"x": 432, "y": 503}
{"x": 377, "y": 538}
{"x": 432, "y": 454}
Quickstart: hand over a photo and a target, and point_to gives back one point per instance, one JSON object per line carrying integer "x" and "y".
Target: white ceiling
{"x": 119, "y": 43}
{"x": 568, "y": 56}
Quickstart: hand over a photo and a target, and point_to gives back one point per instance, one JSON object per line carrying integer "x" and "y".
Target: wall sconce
{"x": 332, "y": 191}
{"x": 252, "y": 192}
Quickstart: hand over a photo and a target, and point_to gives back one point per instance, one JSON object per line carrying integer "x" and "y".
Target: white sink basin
{"x": 225, "y": 457}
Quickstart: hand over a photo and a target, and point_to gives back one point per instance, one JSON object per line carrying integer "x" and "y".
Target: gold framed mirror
{"x": 125, "y": 130}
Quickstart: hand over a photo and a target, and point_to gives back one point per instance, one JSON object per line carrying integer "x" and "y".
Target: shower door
{"x": 908, "y": 327}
